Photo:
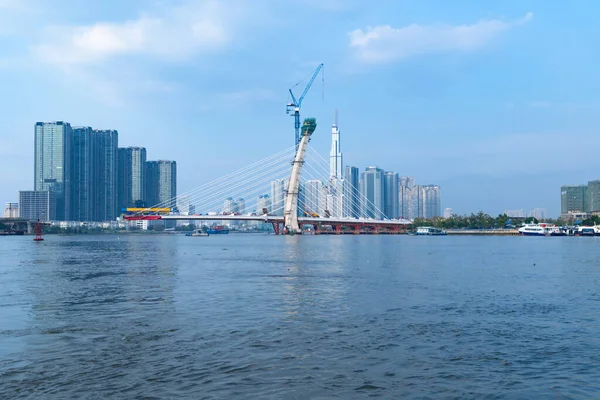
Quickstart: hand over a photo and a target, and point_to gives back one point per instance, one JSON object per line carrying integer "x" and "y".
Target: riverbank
{"x": 496, "y": 232}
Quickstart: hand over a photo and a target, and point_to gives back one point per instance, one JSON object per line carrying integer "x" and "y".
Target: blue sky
{"x": 495, "y": 101}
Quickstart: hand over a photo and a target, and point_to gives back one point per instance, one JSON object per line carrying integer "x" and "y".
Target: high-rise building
{"x": 432, "y": 204}
{"x": 278, "y": 190}
{"x": 229, "y": 206}
{"x": 515, "y": 213}
{"x": 314, "y": 197}
{"x": 35, "y": 205}
{"x": 391, "y": 202}
{"x": 372, "y": 191}
{"x": 406, "y": 195}
{"x": 263, "y": 203}
{"x": 593, "y": 196}
{"x": 123, "y": 178}
{"x": 105, "y": 174}
{"x": 539, "y": 213}
{"x": 352, "y": 202}
{"x": 83, "y": 191}
{"x": 573, "y": 198}
{"x": 11, "y": 210}
{"x": 131, "y": 179}
{"x": 183, "y": 205}
{"x": 138, "y": 175}
{"x": 447, "y": 212}
{"x": 161, "y": 183}
{"x": 52, "y": 165}
{"x": 94, "y": 174}
{"x": 335, "y": 155}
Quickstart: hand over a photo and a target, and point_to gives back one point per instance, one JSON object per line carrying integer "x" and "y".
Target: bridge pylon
{"x": 290, "y": 210}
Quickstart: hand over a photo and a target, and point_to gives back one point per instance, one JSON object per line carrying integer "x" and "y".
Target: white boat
{"x": 539, "y": 230}
{"x": 429, "y": 231}
{"x": 197, "y": 232}
{"x": 588, "y": 231}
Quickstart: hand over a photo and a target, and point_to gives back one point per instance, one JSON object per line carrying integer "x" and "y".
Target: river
{"x": 261, "y": 316}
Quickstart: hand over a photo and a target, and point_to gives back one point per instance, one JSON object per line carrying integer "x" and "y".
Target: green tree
{"x": 531, "y": 220}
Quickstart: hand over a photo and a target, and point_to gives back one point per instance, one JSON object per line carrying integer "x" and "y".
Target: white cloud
{"x": 384, "y": 43}
{"x": 172, "y": 34}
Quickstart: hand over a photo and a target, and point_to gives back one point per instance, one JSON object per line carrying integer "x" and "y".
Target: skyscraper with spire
{"x": 335, "y": 155}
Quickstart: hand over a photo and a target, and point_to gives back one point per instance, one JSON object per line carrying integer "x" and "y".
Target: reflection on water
{"x": 298, "y": 317}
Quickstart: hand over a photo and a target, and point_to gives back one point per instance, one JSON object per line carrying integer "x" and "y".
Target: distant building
{"x": 573, "y": 198}
{"x": 131, "y": 177}
{"x": 334, "y": 197}
{"x": 52, "y": 164}
{"x": 278, "y": 190}
{"x": 335, "y": 155}
{"x": 432, "y": 204}
{"x": 314, "y": 197}
{"x": 447, "y": 212}
{"x": 593, "y": 197}
{"x": 161, "y": 183}
{"x": 229, "y": 206}
{"x": 84, "y": 189}
{"x": 183, "y": 205}
{"x": 372, "y": 190}
{"x": 515, "y": 213}
{"x": 11, "y": 210}
{"x": 105, "y": 165}
{"x": 539, "y": 213}
{"x": 391, "y": 203}
{"x": 94, "y": 174}
{"x": 406, "y": 197}
{"x": 40, "y": 205}
{"x": 263, "y": 203}
{"x": 351, "y": 192}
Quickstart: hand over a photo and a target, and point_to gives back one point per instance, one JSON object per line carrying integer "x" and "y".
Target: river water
{"x": 260, "y": 316}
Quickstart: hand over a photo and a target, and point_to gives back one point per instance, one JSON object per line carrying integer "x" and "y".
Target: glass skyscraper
{"x": 372, "y": 190}
{"x": 573, "y": 198}
{"x": 52, "y": 165}
{"x": 278, "y": 189}
{"x": 131, "y": 179}
{"x": 351, "y": 193}
{"x": 94, "y": 174}
{"x": 391, "y": 203}
{"x": 106, "y": 175}
{"x": 84, "y": 175}
{"x": 37, "y": 204}
{"x": 161, "y": 183}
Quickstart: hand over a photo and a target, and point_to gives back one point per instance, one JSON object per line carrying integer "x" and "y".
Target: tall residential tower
{"x": 335, "y": 155}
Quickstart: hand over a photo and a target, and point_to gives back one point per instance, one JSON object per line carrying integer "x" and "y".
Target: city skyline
{"x": 475, "y": 101}
{"x": 81, "y": 174}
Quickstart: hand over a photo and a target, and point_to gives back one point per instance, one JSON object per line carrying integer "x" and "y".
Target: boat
{"x": 197, "y": 232}
{"x": 429, "y": 231}
{"x": 540, "y": 230}
{"x": 588, "y": 231}
{"x": 218, "y": 230}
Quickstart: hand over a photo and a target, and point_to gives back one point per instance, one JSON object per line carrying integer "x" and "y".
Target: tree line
{"x": 480, "y": 220}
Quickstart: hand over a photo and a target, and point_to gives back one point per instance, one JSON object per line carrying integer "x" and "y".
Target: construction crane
{"x": 296, "y": 104}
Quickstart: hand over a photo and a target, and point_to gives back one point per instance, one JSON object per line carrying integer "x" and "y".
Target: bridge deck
{"x": 272, "y": 218}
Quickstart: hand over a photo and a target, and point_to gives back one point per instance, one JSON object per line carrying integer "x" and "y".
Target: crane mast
{"x": 296, "y": 104}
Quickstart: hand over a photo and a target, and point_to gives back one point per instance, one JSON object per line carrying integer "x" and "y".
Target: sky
{"x": 495, "y": 101}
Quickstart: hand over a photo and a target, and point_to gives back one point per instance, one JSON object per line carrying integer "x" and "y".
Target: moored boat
{"x": 429, "y": 231}
{"x": 218, "y": 230}
{"x": 197, "y": 232}
{"x": 540, "y": 230}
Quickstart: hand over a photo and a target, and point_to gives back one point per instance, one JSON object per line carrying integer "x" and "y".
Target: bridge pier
{"x": 276, "y": 227}
{"x": 290, "y": 210}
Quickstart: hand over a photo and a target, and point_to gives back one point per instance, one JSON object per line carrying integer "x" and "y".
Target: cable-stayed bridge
{"x": 302, "y": 195}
